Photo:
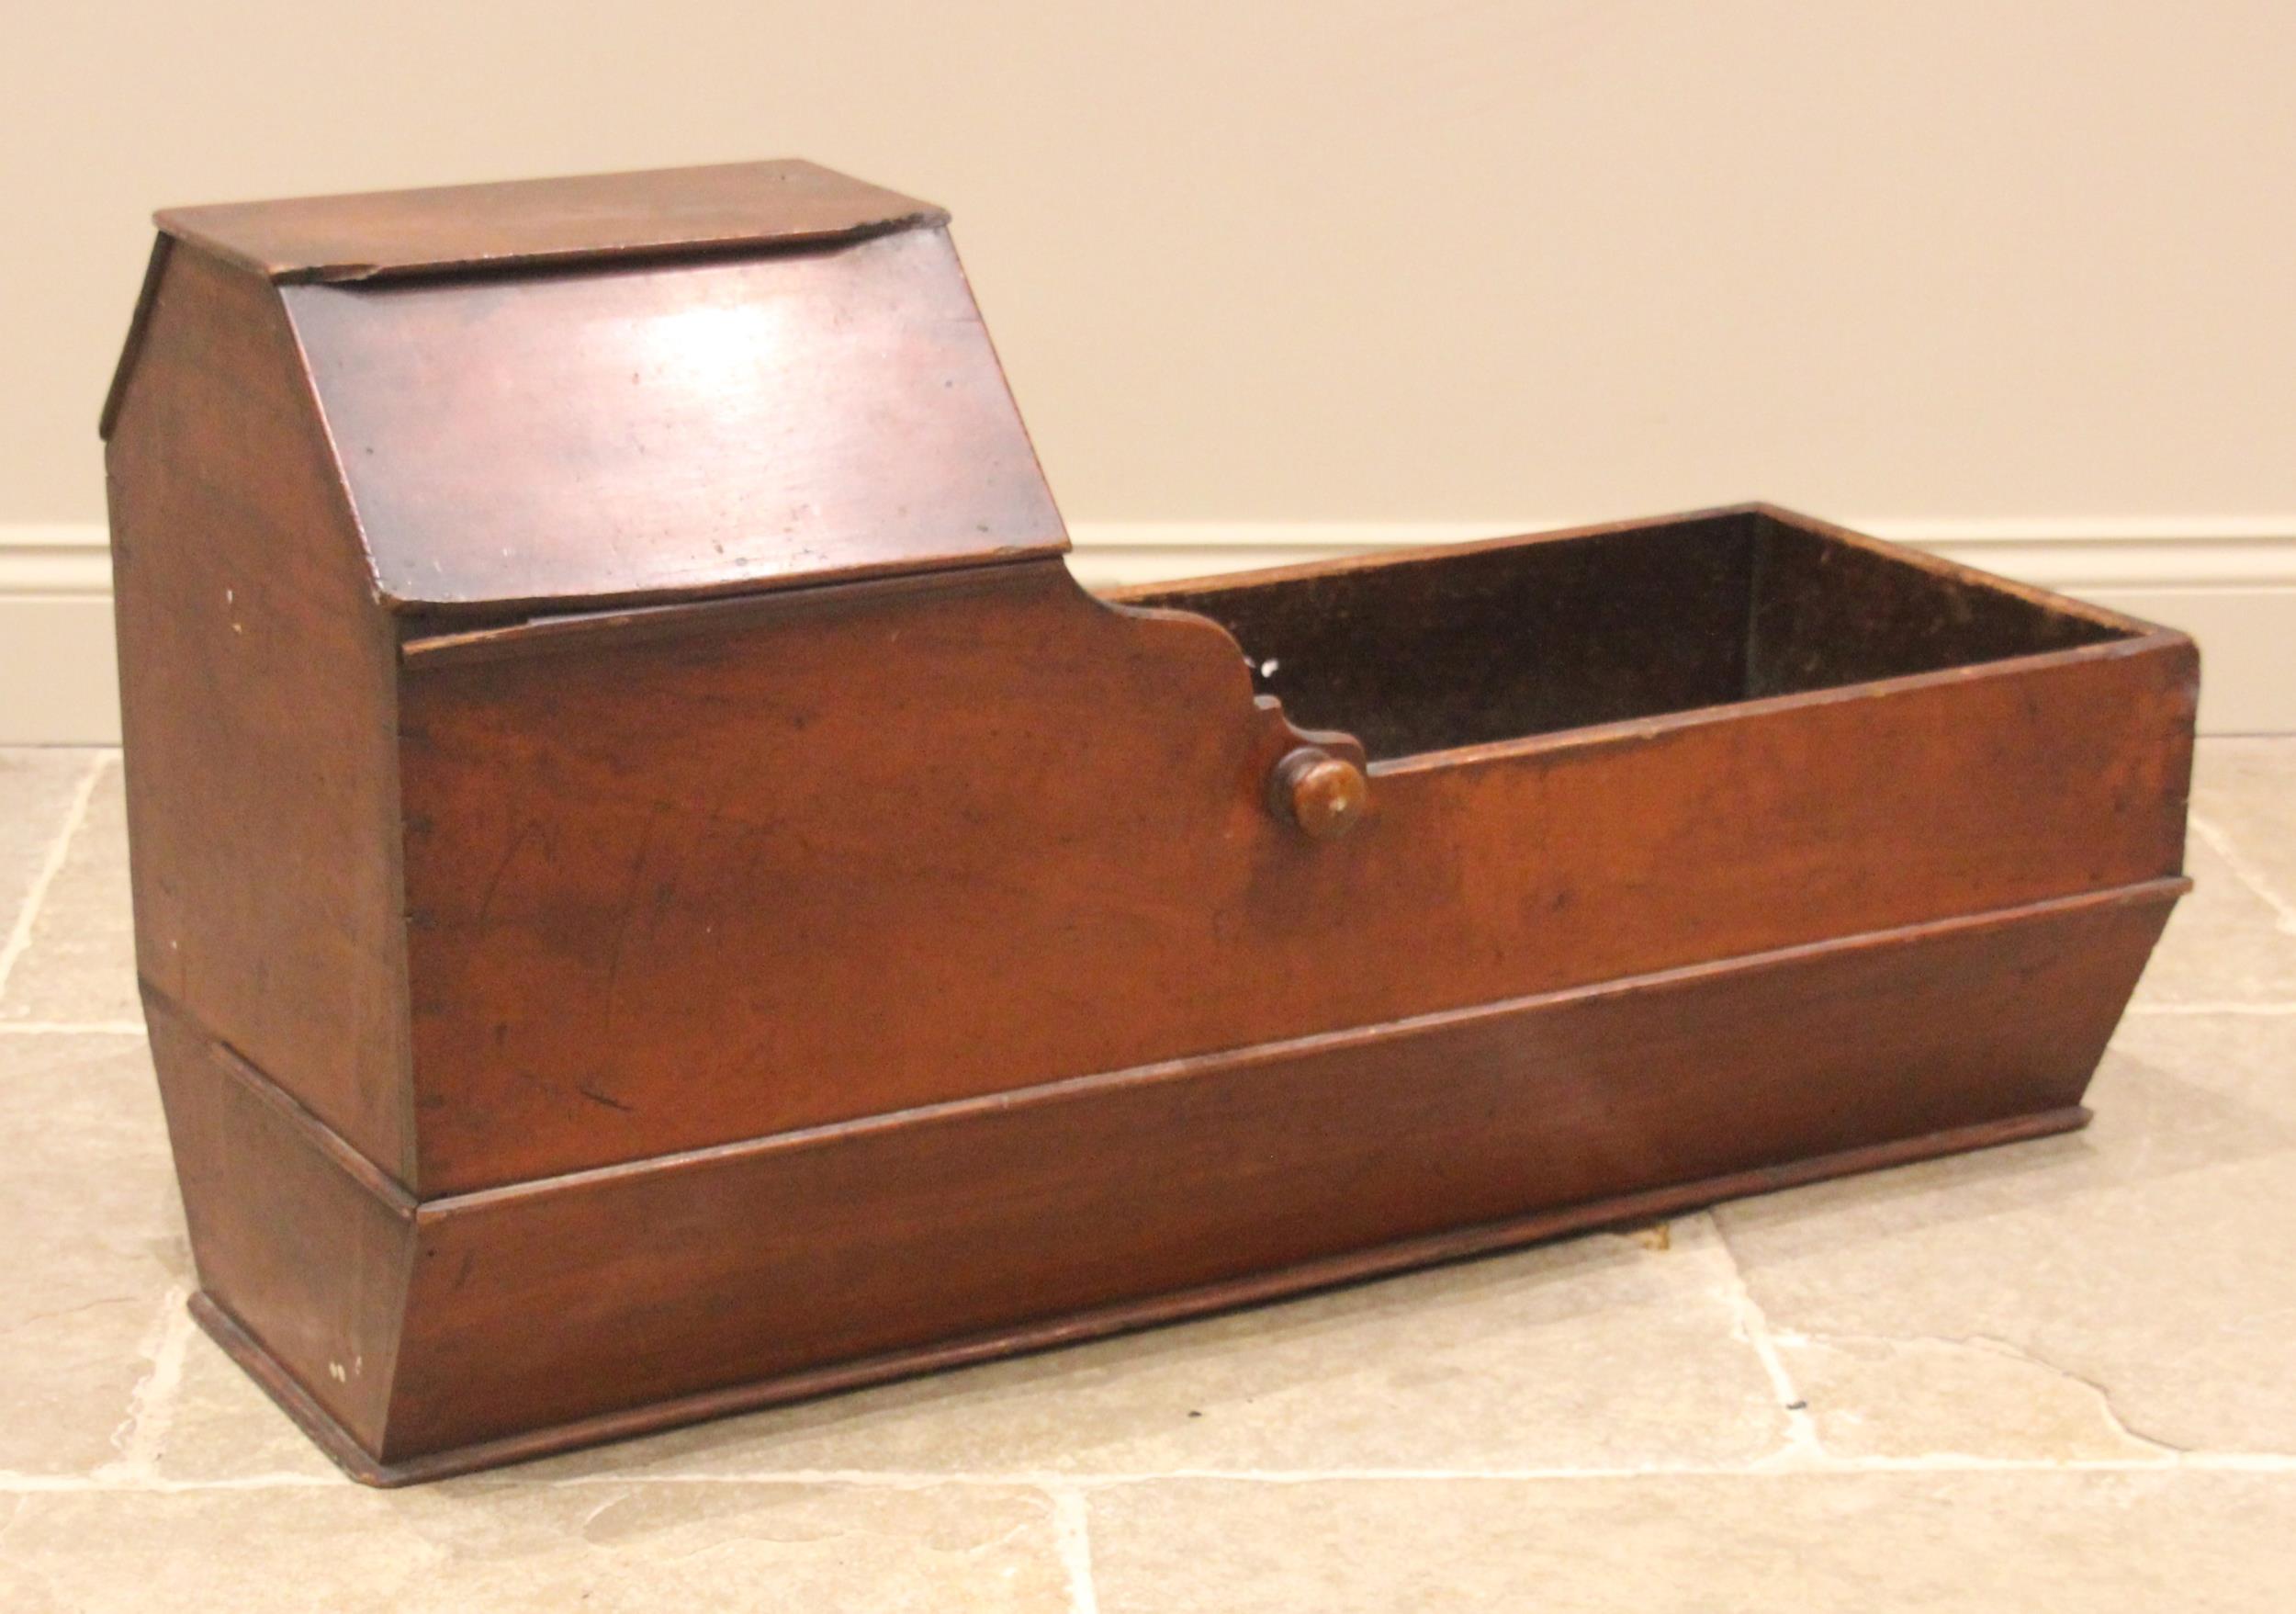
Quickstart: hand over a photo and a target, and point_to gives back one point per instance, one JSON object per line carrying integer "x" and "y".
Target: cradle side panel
{"x": 287, "y": 1244}
{"x": 702, "y": 878}
{"x": 257, "y": 687}
{"x": 752, "y": 1264}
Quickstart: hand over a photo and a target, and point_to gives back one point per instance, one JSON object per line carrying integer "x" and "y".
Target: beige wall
{"x": 1347, "y": 260}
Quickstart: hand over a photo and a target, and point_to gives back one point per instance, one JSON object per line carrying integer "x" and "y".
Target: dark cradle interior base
{"x": 1458, "y": 1244}
{"x": 1492, "y": 642}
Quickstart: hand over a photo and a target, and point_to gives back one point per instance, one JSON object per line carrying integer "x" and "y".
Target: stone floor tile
{"x": 2243, "y": 806}
{"x": 219, "y": 1426}
{"x": 81, "y": 965}
{"x": 2043, "y": 1542}
{"x": 1976, "y": 1397}
{"x": 93, "y": 1242}
{"x": 2246, "y": 791}
{"x": 2224, "y": 943}
{"x": 2085, "y": 1295}
{"x": 505, "y": 1547}
{"x": 38, "y": 787}
{"x": 1595, "y": 1352}
{"x": 2233, "y": 939}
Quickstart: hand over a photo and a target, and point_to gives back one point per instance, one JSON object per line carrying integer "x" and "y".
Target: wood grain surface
{"x": 258, "y": 703}
{"x": 532, "y": 223}
{"x": 1098, "y": 1321}
{"x": 678, "y": 880}
{"x": 313, "y": 1253}
{"x": 656, "y": 891}
{"x": 551, "y": 1303}
{"x": 577, "y": 439}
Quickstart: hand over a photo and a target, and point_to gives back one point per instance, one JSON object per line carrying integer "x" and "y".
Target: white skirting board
{"x": 2229, "y": 582}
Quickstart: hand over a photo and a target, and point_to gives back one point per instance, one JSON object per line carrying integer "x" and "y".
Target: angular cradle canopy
{"x": 567, "y": 394}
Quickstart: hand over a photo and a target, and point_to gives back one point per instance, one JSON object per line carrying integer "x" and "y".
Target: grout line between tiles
{"x": 38, "y": 1485}
{"x": 1072, "y": 1539}
{"x": 1078, "y": 1484}
{"x": 1084, "y": 1480}
{"x": 151, "y": 1404}
{"x": 164, "y": 1390}
{"x": 2245, "y": 871}
{"x": 71, "y": 1028}
{"x": 1749, "y": 1323}
{"x": 36, "y": 895}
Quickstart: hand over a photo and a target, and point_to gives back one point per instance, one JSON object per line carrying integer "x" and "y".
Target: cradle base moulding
{"x": 1139, "y": 1197}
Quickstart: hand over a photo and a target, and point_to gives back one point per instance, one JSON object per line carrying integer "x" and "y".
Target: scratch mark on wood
{"x": 628, "y": 914}
{"x": 486, "y": 903}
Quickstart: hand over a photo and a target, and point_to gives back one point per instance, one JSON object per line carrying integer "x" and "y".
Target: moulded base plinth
{"x": 1100, "y": 1322}
{"x": 415, "y": 1338}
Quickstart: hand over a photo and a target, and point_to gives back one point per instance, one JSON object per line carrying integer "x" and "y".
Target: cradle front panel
{"x": 687, "y": 877}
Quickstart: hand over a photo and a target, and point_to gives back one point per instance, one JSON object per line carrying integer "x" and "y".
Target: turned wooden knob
{"x": 1323, "y": 794}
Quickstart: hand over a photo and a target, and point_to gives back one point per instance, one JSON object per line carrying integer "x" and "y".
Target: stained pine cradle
{"x": 657, "y": 893}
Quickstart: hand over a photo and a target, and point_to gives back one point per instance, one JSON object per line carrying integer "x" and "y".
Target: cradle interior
{"x": 1425, "y": 654}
